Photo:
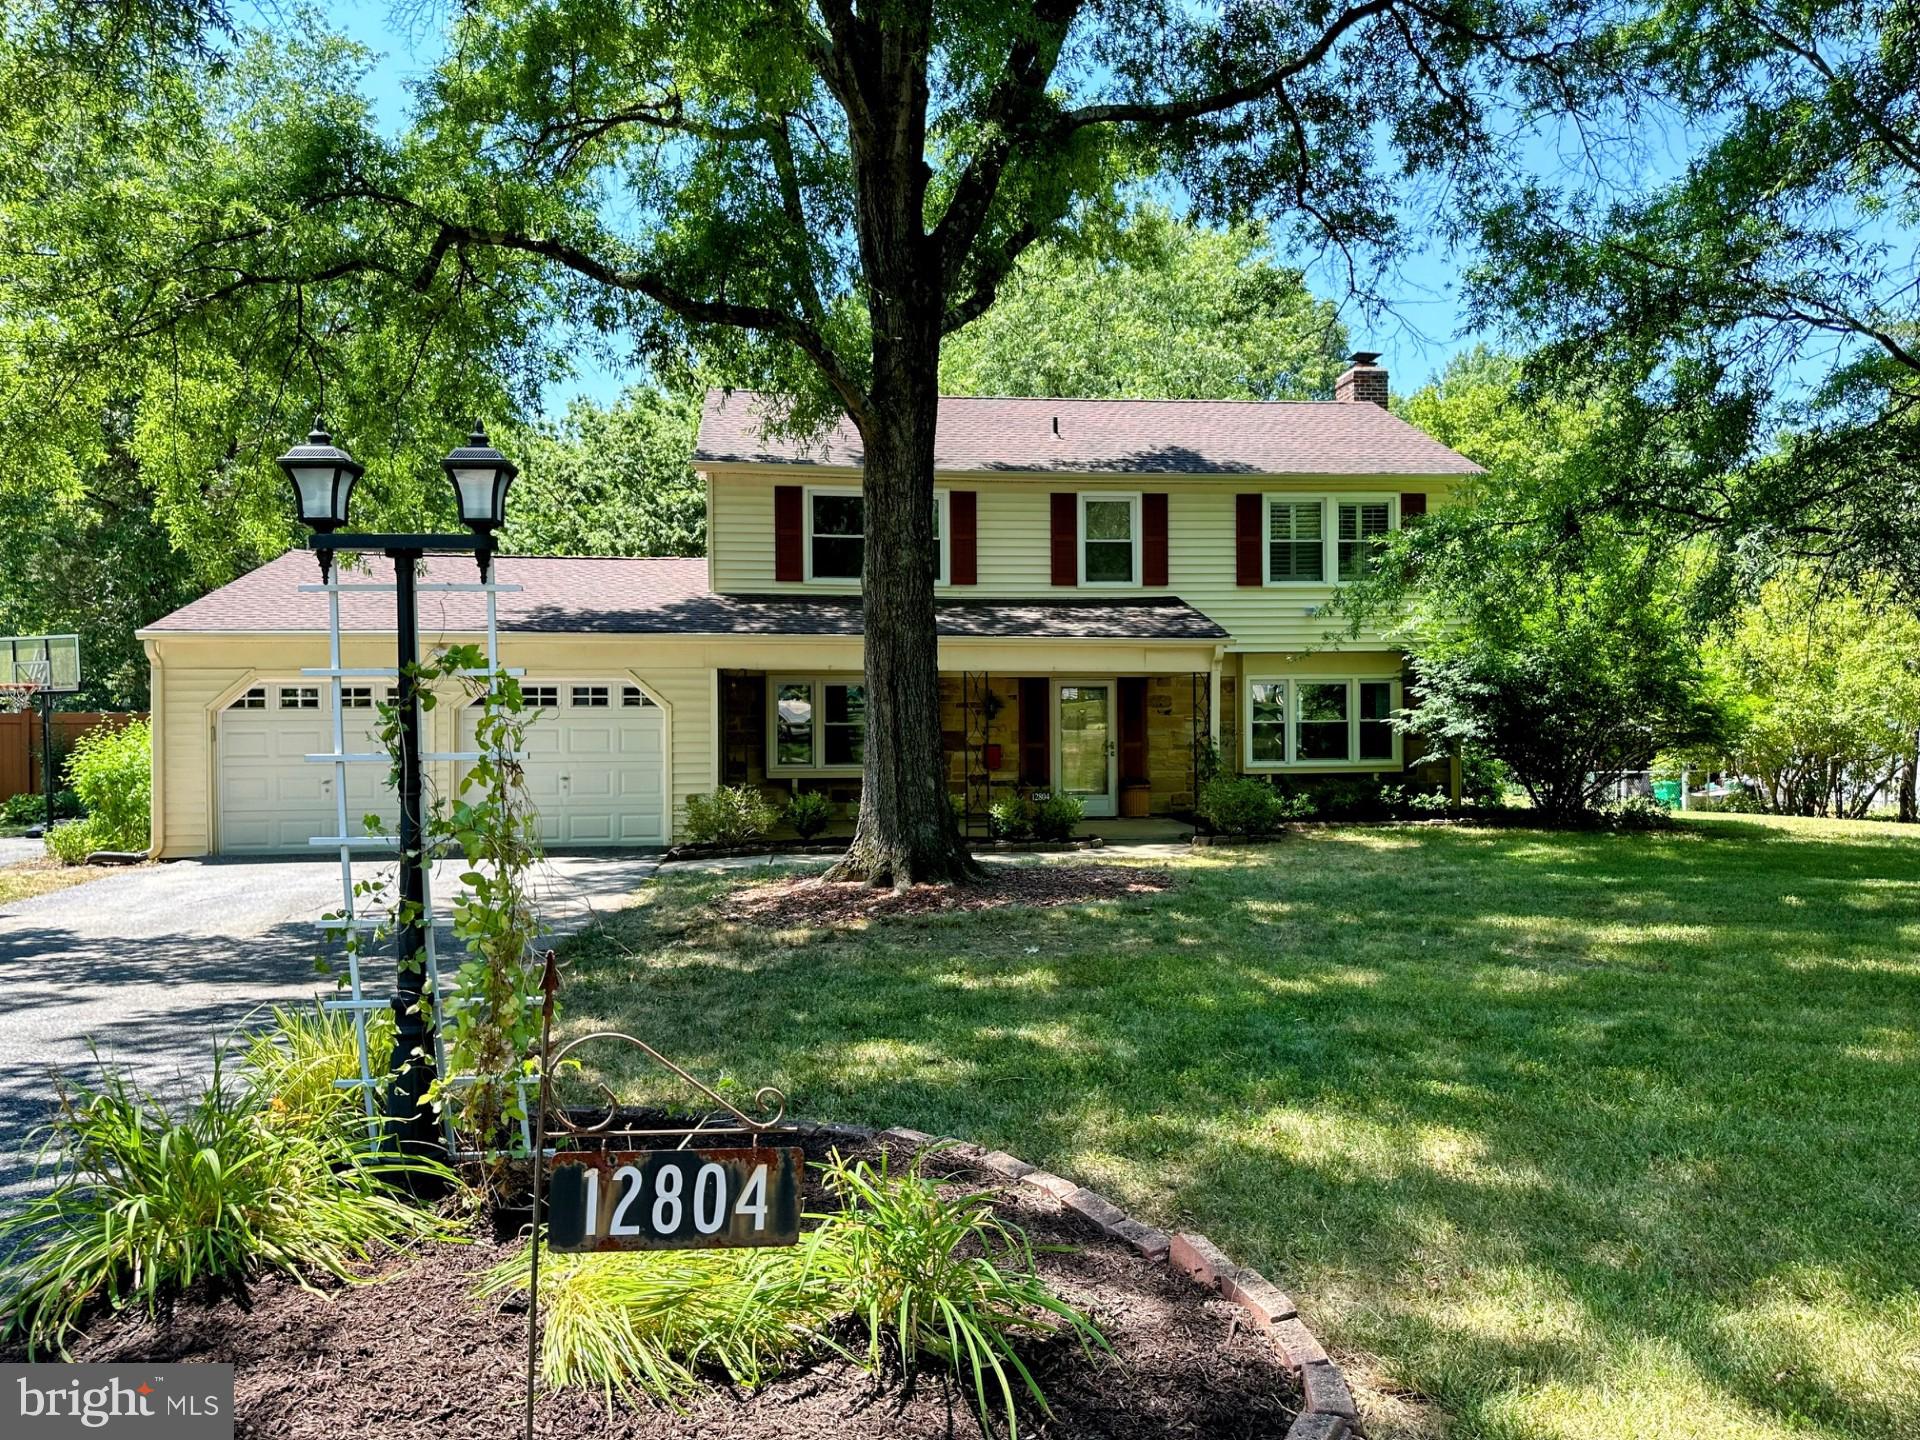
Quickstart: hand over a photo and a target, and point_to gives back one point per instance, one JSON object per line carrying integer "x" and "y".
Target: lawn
{"x": 1548, "y": 1135}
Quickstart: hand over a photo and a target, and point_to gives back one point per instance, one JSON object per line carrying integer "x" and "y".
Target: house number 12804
{"x": 675, "y": 1200}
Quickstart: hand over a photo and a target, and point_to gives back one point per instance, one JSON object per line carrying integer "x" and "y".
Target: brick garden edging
{"x": 1328, "y": 1411}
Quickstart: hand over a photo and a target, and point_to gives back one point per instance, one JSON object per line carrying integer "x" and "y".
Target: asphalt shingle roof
{"x": 1177, "y": 437}
{"x": 604, "y": 596}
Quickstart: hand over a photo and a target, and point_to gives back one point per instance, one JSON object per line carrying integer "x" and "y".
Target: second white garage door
{"x": 594, "y": 762}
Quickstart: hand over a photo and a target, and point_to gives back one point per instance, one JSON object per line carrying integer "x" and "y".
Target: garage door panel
{"x": 272, "y": 799}
{"x": 593, "y": 773}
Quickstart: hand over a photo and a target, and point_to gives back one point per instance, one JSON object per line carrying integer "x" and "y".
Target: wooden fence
{"x": 20, "y": 745}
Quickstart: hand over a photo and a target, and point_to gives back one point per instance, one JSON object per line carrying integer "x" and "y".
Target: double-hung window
{"x": 1319, "y": 539}
{"x": 1109, "y": 539}
{"x": 837, "y": 535}
{"x": 817, "y": 724}
{"x": 1313, "y": 722}
{"x": 1363, "y": 524}
{"x": 1296, "y": 543}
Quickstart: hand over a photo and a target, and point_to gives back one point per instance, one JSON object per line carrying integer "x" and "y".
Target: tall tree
{"x": 816, "y": 194}
{"x": 1767, "y": 289}
{"x": 1168, "y": 310}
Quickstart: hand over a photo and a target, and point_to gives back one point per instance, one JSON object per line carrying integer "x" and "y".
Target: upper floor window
{"x": 1314, "y": 721}
{"x": 1307, "y": 545}
{"x": 1109, "y": 539}
{"x": 837, "y": 534}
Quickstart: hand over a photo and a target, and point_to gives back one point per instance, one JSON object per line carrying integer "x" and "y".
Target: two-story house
{"x": 1121, "y": 582}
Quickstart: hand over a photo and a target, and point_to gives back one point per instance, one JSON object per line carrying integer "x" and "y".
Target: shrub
{"x": 809, "y": 812}
{"x": 294, "y": 1062}
{"x": 1636, "y": 812}
{"x": 1737, "y": 801}
{"x": 111, "y": 770}
{"x": 1246, "y": 805}
{"x": 1012, "y": 818}
{"x": 71, "y": 841}
{"x": 1055, "y": 816}
{"x": 144, "y": 1204}
{"x": 32, "y": 809}
{"x": 731, "y": 815}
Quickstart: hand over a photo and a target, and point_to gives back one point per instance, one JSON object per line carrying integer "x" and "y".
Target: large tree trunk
{"x": 1908, "y": 812}
{"x": 907, "y": 833}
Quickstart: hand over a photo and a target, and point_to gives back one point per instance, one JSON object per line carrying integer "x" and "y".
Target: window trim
{"x": 1353, "y": 762}
{"x": 1330, "y": 502}
{"x": 1132, "y": 497}
{"x": 943, "y": 510}
{"x": 818, "y": 683}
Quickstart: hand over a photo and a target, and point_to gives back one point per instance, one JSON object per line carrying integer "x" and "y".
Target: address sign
{"x": 675, "y": 1199}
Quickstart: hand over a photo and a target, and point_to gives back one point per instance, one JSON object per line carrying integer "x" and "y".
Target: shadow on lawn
{"x": 1529, "y": 1104}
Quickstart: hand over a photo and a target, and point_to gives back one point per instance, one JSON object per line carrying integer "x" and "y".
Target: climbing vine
{"x": 490, "y": 1002}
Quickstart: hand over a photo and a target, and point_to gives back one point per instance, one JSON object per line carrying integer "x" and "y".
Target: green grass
{"x": 1549, "y": 1135}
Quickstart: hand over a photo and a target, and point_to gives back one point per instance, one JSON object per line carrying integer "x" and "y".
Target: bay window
{"x": 816, "y": 724}
{"x": 1314, "y": 722}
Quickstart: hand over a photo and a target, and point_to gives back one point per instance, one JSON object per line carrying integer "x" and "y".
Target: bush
{"x": 1737, "y": 801}
{"x": 71, "y": 841}
{"x": 732, "y": 815}
{"x": 1055, "y": 817}
{"x": 1636, "y": 812}
{"x": 32, "y": 809}
{"x": 809, "y": 812}
{"x": 144, "y": 1204}
{"x": 1012, "y": 818}
{"x": 111, "y": 770}
{"x": 1247, "y": 805}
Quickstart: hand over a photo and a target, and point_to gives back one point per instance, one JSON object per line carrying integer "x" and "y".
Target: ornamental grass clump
{"x": 920, "y": 1274}
{"x": 144, "y": 1205}
{"x": 643, "y": 1323}
{"x": 296, "y": 1063}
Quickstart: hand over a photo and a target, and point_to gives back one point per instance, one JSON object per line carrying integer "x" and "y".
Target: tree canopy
{"x": 1170, "y": 310}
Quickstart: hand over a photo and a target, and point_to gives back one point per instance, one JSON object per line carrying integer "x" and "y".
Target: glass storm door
{"x": 1087, "y": 749}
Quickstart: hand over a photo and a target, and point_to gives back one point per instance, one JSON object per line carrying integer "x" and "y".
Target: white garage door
{"x": 594, "y": 762}
{"x": 271, "y": 798}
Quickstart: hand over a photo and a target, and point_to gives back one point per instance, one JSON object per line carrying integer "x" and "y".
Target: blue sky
{"x": 1424, "y": 328}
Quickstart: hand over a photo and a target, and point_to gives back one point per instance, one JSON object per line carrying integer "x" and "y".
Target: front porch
{"x": 1128, "y": 746}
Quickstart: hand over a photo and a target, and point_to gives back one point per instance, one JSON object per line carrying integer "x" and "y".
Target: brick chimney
{"x": 1363, "y": 380}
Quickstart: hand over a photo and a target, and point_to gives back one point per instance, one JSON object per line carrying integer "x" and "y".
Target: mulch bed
{"x": 416, "y": 1355}
{"x": 809, "y": 901}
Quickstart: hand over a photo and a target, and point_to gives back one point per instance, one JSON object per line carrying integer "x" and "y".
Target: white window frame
{"x": 1330, "y": 503}
{"x": 943, "y": 548}
{"x": 1353, "y": 762}
{"x": 1132, "y": 498}
{"x": 817, "y": 765}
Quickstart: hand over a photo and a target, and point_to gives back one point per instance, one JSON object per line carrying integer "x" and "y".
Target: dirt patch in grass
{"x": 797, "y": 902}
{"x": 27, "y": 878}
{"x": 419, "y": 1355}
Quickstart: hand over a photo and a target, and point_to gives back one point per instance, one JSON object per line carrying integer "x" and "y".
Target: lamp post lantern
{"x": 323, "y": 477}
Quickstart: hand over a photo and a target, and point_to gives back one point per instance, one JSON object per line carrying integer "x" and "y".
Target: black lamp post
{"x": 323, "y": 477}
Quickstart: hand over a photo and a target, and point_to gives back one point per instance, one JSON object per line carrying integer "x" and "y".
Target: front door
{"x": 1084, "y": 712}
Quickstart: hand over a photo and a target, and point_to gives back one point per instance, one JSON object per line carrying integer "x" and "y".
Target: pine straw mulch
{"x": 802, "y": 901}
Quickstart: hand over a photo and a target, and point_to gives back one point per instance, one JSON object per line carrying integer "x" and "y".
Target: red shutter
{"x": 1246, "y": 540}
{"x": 963, "y": 548}
{"x": 1066, "y": 538}
{"x": 789, "y": 536}
{"x": 1413, "y": 504}
{"x": 1153, "y": 528}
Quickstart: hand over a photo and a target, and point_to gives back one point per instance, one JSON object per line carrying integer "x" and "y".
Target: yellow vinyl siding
{"x": 1015, "y": 544}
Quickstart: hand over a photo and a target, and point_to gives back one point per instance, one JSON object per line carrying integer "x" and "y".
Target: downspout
{"x": 156, "y": 727}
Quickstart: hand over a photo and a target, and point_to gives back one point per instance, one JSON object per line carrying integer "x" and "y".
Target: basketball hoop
{"x": 29, "y": 678}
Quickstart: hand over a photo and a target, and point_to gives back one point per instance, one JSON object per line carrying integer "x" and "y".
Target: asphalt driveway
{"x": 153, "y": 965}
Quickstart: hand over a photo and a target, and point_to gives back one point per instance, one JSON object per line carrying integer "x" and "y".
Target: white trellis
{"x": 356, "y": 1002}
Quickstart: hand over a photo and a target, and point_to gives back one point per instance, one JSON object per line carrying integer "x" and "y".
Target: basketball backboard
{"x": 46, "y": 662}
